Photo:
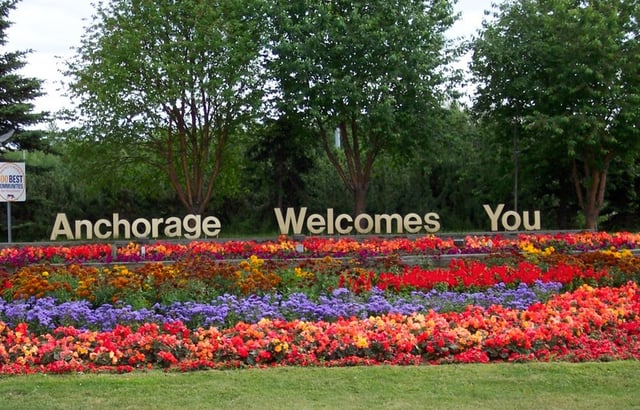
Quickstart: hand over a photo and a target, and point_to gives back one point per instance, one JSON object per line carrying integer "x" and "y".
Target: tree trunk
{"x": 590, "y": 189}
{"x": 360, "y": 199}
{"x": 359, "y": 157}
{"x": 591, "y": 214}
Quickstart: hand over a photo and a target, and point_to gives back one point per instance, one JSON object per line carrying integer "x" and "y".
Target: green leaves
{"x": 16, "y": 92}
{"x": 172, "y": 82}
{"x": 568, "y": 70}
{"x": 372, "y": 70}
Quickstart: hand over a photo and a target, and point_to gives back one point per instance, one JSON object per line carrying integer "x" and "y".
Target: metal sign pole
{"x": 21, "y": 176}
{"x": 8, "y": 221}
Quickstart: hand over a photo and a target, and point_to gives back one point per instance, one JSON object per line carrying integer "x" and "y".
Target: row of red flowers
{"x": 465, "y": 274}
{"x": 587, "y": 324}
{"x": 286, "y": 247}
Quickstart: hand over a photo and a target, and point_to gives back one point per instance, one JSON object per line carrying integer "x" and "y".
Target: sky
{"x": 52, "y": 28}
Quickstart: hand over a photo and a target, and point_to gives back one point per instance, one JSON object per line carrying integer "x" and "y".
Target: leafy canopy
{"x": 170, "y": 83}
{"x": 372, "y": 70}
{"x": 565, "y": 73}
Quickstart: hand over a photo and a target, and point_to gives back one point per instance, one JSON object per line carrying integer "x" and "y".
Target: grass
{"x": 614, "y": 385}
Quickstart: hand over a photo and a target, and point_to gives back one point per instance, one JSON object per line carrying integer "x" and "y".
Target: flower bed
{"x": 587, "y": 324}
{"x": 329, "y": 303}
{"x": 310, "y": 247}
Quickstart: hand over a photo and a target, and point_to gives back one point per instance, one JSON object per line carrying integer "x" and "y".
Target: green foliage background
{"x": 437, "y": 156}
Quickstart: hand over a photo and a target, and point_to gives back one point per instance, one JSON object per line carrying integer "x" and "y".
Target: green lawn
{"x": 614, "y": 385}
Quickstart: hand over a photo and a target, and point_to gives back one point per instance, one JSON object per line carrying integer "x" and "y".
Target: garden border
{"x": 437, "y": 261}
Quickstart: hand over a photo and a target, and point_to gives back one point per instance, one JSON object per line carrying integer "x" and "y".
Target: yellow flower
{"x": 280, "y": 346}
{"x": 548, "y": 251}
{"x": 622, "y": 253}
{"x": 361, "y": 342}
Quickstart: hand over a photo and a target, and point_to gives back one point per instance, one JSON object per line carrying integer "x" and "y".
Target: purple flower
{"x": 226, "y": 310}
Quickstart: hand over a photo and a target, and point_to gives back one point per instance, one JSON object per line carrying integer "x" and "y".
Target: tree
{"x": 170, "y": 84}
{"x": 279, "y": 156}
{"x": 18, "y": 117}
{"x": 563, "y": 75}
{"x": 365, "y": 74}
{"x": 17, "y": 93}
